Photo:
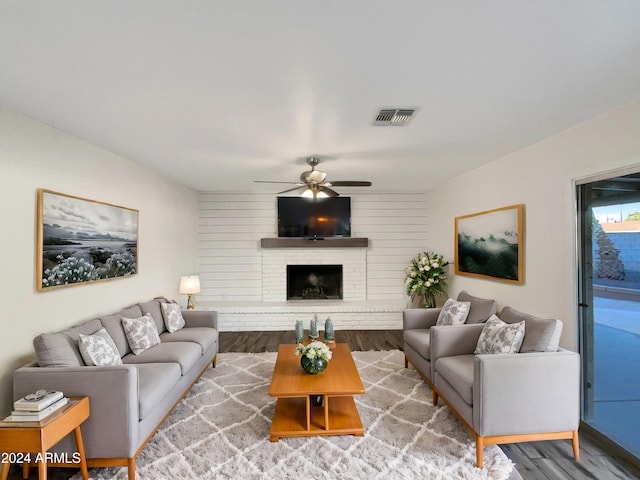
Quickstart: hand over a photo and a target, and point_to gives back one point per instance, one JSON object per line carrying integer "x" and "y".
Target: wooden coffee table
{"x": 295, "y": 416}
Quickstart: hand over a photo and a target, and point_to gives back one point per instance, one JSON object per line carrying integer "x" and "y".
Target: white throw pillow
{"x": 141, "y": 333}
{"x": 99, "y": 349}
{"x": 173, "y": 319}
{"x": 453, "y": 312}
{"x": 500, "y": 337}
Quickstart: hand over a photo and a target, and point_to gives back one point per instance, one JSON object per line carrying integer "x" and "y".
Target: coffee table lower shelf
{"x": 290, "y": 418}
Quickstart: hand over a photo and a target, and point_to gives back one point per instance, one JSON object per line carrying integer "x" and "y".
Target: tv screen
{"x": 302, "y": 217}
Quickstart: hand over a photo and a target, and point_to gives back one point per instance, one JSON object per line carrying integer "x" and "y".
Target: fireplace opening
{"x": 314, "y": 282}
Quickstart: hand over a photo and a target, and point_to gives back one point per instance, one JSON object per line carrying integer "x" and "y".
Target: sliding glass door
{"x": 609, "y": 306}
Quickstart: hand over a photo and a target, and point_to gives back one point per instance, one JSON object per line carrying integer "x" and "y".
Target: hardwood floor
{"x": 550, "y": 460}
{"x": 256, "y": 342}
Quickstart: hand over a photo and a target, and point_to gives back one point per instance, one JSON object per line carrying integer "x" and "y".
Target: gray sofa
{"x": 130, "y": 401}
{"x": 505, "y": 397}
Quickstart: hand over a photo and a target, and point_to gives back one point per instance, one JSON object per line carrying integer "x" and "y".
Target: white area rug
{"x": 221, "y": 430}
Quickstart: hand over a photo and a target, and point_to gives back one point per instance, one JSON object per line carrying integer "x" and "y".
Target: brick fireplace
{"x": 276, "y": 312}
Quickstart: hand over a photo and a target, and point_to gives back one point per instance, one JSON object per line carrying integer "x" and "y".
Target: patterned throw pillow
{"x": 142, "y": 333}
{"x": 173, "y": 319}
{"x": 500, "y": 337}
{"x": 99, "y": 349}
{"x": 453, "y": 312}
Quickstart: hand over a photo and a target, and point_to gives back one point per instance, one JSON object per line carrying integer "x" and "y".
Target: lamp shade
{"x": 190, "y": 284}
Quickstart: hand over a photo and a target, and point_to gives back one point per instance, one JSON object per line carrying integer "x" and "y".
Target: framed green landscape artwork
{"x": 81, "y": 240}
{"x": 490, "y": 244}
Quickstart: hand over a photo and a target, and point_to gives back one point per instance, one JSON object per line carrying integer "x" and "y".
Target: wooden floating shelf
{"x": 314, "y": 243}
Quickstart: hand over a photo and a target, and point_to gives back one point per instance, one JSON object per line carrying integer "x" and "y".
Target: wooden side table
{"x": 28, "y": 442}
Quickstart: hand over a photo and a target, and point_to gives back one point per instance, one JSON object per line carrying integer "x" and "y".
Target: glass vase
{"x": 313, "y": 365}
{"x": 299, "y": 331}
{"x": 313, "y": 329}
{"x": 328, "y": 330}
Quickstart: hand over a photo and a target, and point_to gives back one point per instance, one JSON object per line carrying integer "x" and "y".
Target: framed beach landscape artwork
{"x": 490, "y": 244}
{"x": 81, "y": 240}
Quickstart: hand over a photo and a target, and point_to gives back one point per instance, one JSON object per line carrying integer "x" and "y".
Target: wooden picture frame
{"x": 490, "y": 244}
{"x": 81, "y": 241}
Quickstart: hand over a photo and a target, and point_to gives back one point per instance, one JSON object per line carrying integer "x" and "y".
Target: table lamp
{"x": 190, "y": 284}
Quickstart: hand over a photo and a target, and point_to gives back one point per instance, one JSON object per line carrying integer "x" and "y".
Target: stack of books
{"x": 36, "y": 406}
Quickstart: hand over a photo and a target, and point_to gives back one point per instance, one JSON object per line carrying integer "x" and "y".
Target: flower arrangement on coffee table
{"x": 314, "y": 357}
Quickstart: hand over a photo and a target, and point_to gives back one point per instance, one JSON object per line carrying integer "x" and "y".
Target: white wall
{"x": 540, "y": 176}
{"x": 34, "y": 156}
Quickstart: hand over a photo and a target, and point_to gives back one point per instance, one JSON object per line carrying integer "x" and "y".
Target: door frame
{"x": 583, "y": 293}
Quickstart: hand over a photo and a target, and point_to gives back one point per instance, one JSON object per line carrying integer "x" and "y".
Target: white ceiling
{"x": 218, "y": 93}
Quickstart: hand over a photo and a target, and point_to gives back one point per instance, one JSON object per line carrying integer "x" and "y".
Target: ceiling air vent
{"x": 394, "y": 116}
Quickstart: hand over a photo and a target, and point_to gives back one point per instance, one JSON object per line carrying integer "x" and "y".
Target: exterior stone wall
{"x": 629, "y": 245}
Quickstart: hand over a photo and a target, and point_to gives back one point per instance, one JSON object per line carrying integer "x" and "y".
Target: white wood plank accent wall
{"x": 231, "y": 260}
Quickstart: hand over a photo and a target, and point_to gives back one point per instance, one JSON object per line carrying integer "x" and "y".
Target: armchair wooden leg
{"x": 434, "y": 397}
{"x": 576, "y": 445}
{"x": 480, "y": 452}
{"x": 131, "y": 469}
{"x": 406, "y": 361}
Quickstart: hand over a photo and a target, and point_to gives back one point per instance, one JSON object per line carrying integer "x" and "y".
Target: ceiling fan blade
{"x": 302, "y": 189}
{"x": 350, "y": 183}
{"x": 329, "y": 192}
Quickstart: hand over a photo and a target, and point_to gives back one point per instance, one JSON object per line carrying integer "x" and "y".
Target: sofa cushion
{"x": 500, "y": 337}
{"x": 99, "y": 349}
{"x": 172, "y": 317}
{"x": 186, "y": 354}
{"x": 153, "y": 308}
{"x": 56, "y": 350}
{"x": 203, "y": 336}
{"x": 458, "y": 371}
{"x": 60, "y": 349}
{"x": 540, "y": 334}
{"x": 453, "y": 312}
{"x": 420, "y": 340}
{"x": 141, "y": 333}
{"x": 86, "y": 328}
{"x": 155, "y": 381}
{"x": 480, "y": 309}
{"x": 113, "y": 324}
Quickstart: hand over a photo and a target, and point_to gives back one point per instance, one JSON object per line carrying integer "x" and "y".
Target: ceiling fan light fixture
{"x": 316, "y": 192}
{"x": 315, "y": 176}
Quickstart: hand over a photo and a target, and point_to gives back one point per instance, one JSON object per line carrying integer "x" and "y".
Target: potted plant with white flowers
{"x": 426, "y": 277}
{"x": 314, "y": 357}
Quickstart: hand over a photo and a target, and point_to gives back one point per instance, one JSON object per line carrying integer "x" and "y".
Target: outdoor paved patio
{"x": 617, "y": 371}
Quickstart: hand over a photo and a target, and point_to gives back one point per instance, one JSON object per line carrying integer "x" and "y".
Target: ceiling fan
{"x": 312, "y": 183}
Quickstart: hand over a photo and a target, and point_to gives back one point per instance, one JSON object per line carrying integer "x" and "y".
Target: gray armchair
{"x": 416, "y": 325}
{"x": 509, "y": 398}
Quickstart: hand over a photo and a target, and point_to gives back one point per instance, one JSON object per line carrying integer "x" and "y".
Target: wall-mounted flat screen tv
{"x": 306, "y": 218}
